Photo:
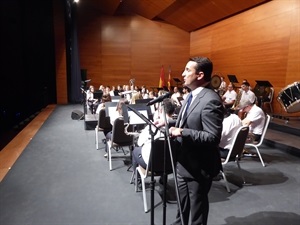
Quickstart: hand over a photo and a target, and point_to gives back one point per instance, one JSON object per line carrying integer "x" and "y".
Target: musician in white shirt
{"x": 229, "y": 97}
{"x": 141, "y": 154}
{"x": 91, "y": 102}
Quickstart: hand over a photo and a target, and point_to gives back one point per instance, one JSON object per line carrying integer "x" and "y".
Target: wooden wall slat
{"x": 259, "y": 44}
{"x": 117, "y": 49}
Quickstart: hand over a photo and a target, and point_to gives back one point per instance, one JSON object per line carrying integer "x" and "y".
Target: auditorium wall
{"x": 117, "y": 49}
{"x": 260, "y": 44}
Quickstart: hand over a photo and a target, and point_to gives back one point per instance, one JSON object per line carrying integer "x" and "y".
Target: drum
{"x": 289, "y": 98}
{"x": 215, "y": 81}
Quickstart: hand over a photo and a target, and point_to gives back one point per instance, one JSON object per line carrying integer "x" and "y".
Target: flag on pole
{"x": 162, "y": 77}
{"x": 169, "y": 79}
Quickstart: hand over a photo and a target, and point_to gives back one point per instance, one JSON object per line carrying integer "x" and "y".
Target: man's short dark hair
{"x": 169, "y": 106}
{"x": 246, "y": 84}
{"x": 203, "y": 65}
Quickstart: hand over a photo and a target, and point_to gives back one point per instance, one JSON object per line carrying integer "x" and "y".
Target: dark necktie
{"x": 187, "y": 107}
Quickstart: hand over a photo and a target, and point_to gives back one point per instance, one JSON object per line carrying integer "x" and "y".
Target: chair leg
{"x": 97, "y": 138}
{"x": 136, "y": 180}
{"x": 132, "y": 177}
{"x": 226, "y": 182}
{"x": 109, "y": 156}
{"x": 241, "y": 172}
{"x": 144, "y": 194}
{"x": 259, "y": 155}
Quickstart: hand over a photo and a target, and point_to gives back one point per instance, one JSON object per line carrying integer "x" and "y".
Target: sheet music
{"x": 135, "y": 119}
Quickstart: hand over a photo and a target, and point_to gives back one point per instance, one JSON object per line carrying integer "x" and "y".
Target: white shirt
{"x": 230, "y": 96}
{"x": 223, "y": 85}
{"x": 114, "y": 116}
{"x": 249, "y": 95}
{"x": 230, "y": 125}
{"x": 145, "y": 141}
{"x": 175, "y": 96}
{"x": 257, "y": 117}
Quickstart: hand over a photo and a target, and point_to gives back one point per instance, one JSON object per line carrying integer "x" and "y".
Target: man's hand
{"x": 175, "y": 132}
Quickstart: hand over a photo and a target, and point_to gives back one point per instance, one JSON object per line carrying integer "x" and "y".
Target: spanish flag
{"x": 169, "y": 79}
{"x": 162, "y": 77}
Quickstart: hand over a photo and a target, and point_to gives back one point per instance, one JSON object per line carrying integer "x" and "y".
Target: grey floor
{"x": 61, "y": 179}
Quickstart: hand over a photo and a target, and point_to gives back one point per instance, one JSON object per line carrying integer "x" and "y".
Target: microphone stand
{"x": 167, "y": 138}
{"x": 152, "y": 183}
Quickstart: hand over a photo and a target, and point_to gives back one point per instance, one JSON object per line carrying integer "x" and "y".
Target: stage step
{"x": 284, "y": 135}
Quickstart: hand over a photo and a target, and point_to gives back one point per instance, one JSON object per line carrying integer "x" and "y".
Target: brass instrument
{"x": 134, "y": 134}
{"x": 237, "y": 100}
{"x": 131, "y": 82}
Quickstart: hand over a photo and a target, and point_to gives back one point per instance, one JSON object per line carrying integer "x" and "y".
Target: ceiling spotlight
{"x": 76, "y": 1}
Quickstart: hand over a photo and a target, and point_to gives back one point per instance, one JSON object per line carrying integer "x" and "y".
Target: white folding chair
{"x": 268, "y": 118}
{"x": 158, "y": 169}
{"x": 235, "y": 152}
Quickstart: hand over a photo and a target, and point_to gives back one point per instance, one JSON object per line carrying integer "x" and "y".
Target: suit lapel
{"x": 181, "y": 110}
{"x": 192, "y": 107}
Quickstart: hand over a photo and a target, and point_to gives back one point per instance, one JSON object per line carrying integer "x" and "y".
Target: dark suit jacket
{"x": 198, "y": 151}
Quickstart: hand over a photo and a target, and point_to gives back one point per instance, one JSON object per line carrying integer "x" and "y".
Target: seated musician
{"x": 231, "y": 124}
{"x": 229, "y": 97}
{"x": 263, "y": 94}
{"x": 222, "y": 87}
{"x": 175, "y": 95}
{"x": 255, "y": 119}
{"x": 92, "y": 102}
{"x": 246, "y": 95}
{"x": 117, "y": 114}
{"x": 141, "y": 153}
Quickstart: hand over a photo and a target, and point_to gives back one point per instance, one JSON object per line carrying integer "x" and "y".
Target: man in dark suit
{"x": 198, "y": 132}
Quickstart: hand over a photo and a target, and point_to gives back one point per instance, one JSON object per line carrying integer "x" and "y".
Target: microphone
{"x": 159, "y": 99}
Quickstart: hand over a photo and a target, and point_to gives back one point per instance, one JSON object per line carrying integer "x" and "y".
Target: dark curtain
{"x": 72, "y": 53}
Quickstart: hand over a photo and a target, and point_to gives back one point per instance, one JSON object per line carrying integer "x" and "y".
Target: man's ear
{"x": 200, "y": 76}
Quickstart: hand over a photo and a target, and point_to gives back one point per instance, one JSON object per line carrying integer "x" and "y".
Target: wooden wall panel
{"x": 259, "y": 44}
{"x": 293, "y": 67}
{"x": 116, "y": 49}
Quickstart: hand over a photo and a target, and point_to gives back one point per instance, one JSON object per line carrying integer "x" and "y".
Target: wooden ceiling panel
{"x": 194, "y": 14}
{"x": 148, "y": 8}
{"x": 188, "y": 15}
{"x": 106, "y": 7}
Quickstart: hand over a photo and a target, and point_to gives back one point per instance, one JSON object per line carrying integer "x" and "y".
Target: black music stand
{"x": 177, "y": 81}
{"x": 232, "y": 78}
{"x": 98, "y": 95}
{"x": 264, "y": 83}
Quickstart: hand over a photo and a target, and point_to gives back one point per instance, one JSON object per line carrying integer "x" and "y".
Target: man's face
{"x": 244, "y": 87}
{"x": 190, "y": 77}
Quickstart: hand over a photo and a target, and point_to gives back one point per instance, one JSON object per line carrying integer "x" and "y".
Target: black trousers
{"x": 137, "y": 158}
{"x": 193, "y": 200}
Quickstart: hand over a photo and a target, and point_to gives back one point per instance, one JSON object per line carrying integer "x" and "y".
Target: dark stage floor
{"x": 61, "y": 179}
